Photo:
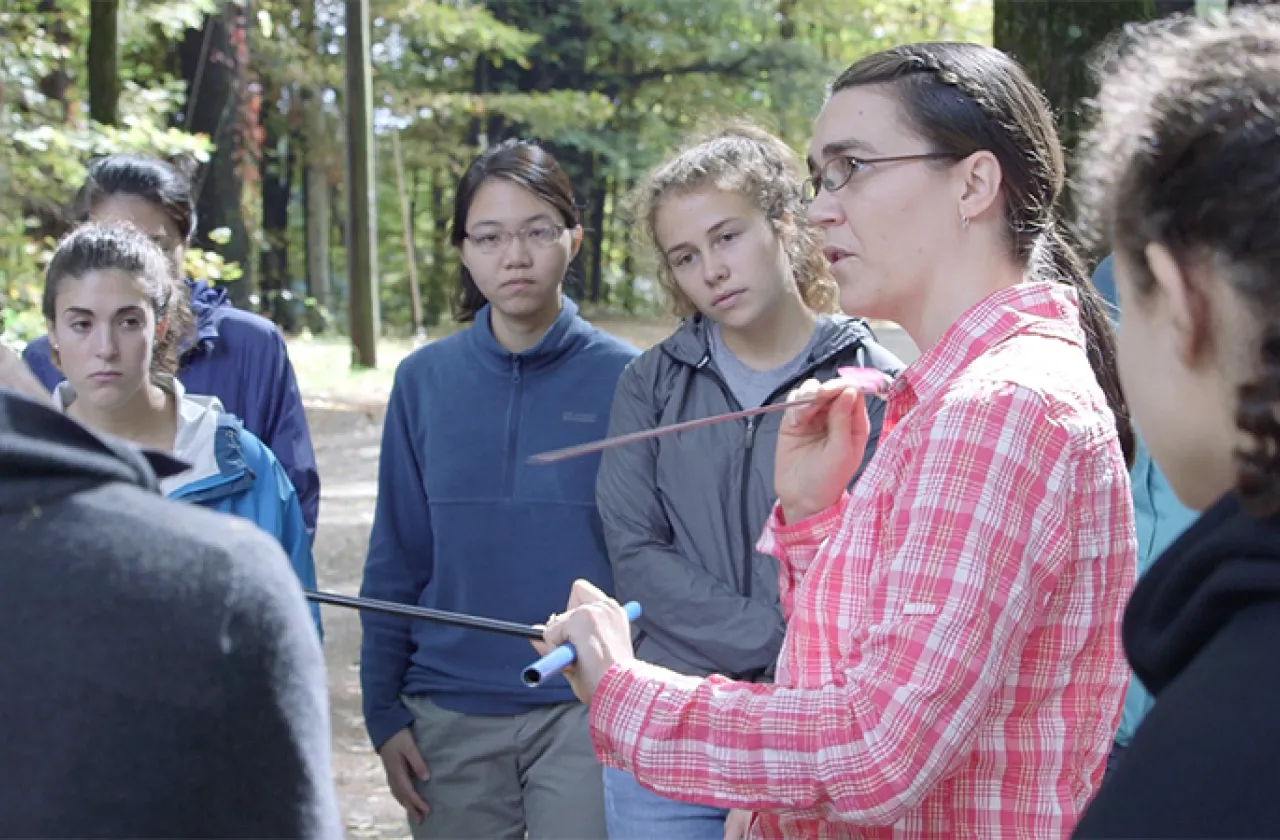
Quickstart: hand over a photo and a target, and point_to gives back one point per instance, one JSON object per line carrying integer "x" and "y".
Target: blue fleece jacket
{"x": 465, "y": 523}
{"x": 241, "y": 359}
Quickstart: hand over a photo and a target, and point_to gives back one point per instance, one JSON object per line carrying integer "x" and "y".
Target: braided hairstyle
{"x": 1183, "y": 152}
{"x": 963, "y": 98}
{"x": 745, "y": 159}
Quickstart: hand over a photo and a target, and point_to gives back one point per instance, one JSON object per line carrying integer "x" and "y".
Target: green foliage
{"x": 46, "y": 137}
{"x": 612, "y": 85}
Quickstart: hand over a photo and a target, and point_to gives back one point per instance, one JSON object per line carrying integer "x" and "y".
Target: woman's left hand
{"x": 599, "y": 631}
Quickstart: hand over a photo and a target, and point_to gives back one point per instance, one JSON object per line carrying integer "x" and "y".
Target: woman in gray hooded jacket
{"x": 738, "y": 261}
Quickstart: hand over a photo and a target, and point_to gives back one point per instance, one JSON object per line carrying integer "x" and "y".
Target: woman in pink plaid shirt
{"x": 951, "y": 666}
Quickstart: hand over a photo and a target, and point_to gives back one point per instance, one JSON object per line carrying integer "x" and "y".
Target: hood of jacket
{"x": 46, "y": 456}
{"x": 1225, "y": 563}
{"x": 205, "y": 303}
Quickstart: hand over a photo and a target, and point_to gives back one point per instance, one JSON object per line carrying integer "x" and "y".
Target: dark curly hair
{"x": 963, "y": 98}
{"x": 122, "y": 247}
{"x": 1184, "y": 151}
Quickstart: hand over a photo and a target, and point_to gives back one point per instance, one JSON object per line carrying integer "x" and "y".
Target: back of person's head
{"x": 1180, "y": 175}
{"x": 163, "y": 185}
{"x": 150, "y": 194}
{"x": 130, "y": 256}
{"x": 744, "y": 159}
{"x": 531, "y": 168}
{"x": 962, "y": 99}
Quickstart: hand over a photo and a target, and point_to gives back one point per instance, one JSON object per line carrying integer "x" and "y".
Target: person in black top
{"x": 1181, "y": 176}
{"x": 160, "y": 675}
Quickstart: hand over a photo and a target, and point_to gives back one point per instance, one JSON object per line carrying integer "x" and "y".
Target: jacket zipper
{"x": 513, "y": 427}
{"x": 749, "y": 442}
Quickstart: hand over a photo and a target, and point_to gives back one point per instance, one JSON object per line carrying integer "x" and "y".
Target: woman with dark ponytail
{"x": 1181, "y": 177}
{"x": 951, "y": 665}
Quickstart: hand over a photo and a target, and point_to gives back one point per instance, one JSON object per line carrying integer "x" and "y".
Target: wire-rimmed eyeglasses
{"x": 837, "y": 172}
{"x": 540, "y": 236}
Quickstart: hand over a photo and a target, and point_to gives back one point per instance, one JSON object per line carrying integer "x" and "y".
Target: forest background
{"x": 254, "y": 93}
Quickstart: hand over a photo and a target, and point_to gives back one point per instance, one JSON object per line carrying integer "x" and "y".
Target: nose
{"x": 714, "y": 270}
{"x": 825, "y": 210}
{"x": 105, "y": 345}
{"x": 517, "y": 254}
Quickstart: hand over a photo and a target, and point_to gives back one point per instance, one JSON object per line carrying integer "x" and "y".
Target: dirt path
{"x": 347, "y": 434}
{"x": 346, "y": 438}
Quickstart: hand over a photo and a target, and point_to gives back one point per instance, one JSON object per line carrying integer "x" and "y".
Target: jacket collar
{"x": 1049, "y": 309}
{"x": 205, "y": 303}
{"x": 198, "y": 446}
{"x": 46, "y": 455}
{"x": 565, "y": 335}
{"x": 837, "y": 333}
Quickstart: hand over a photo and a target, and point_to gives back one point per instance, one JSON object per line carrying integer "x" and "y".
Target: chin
{"x": 103, "y": 398}
{"x": 526, "y": 307}
{"x": 857, "y": 303}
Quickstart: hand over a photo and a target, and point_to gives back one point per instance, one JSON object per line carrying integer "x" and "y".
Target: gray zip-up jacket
{"x": 682, "y": 512}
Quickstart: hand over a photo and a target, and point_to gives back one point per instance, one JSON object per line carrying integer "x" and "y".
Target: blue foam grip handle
{"x": 564, "y": 656}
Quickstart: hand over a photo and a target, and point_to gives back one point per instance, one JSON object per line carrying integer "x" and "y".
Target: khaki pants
{"x": 498, "y": 777}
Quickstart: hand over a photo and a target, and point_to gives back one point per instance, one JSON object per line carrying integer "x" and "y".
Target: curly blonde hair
{"x": 745, "y": 159}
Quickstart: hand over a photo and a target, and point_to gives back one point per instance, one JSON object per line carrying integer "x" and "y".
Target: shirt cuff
{"x": 798, "y": 542}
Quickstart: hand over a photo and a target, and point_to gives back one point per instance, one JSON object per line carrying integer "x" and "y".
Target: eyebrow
{"x": 80, "y": 310}
{"x": 711, "y": 231}
{"x": 841, "y": 147}
{"x": 538, "y": 217}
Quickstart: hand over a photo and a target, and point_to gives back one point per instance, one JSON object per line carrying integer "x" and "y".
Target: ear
{"x": 1187, "y": 306}
{"x": 980, "y": 179}
{"x": 162, "y": 329}
{"x": 576, "y": 233}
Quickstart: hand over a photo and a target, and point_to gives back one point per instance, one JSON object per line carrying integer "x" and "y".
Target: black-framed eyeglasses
{"x": 837, "y": 172}
{"x": 538, "y": 236}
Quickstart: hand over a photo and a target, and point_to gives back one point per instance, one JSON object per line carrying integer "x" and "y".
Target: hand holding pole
{"x": 564, "y": 656}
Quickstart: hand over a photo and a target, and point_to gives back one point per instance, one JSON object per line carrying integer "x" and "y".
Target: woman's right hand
{"x": 820, "y": 446}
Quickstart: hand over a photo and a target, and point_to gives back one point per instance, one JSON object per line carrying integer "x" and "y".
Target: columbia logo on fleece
{"x": 577, "y": 417}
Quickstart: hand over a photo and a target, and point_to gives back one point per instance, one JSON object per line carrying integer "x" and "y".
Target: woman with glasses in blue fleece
{"x": 465, "y": 523}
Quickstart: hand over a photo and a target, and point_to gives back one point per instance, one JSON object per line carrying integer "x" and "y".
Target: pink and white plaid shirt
{"x": 952, "y": 665}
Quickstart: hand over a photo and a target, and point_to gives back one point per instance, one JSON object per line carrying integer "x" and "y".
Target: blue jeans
{"x": 635, "y": 813}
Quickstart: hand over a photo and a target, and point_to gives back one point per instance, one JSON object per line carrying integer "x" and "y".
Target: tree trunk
{"x": 315, "y": 181}
{"x": 277, "y": 186}
{"x": 440, "y": 288}
{"x": 54, "y": 86}
{"x": 410, "y": 256}
{"x": 104, "y": 61}
{"x": 595, "y": 222}
{"x": 786, "y": 19}
{"x": 215, "y": 96}
{"x": 1053, "y": 40}
{"x": 362, "y": 231}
